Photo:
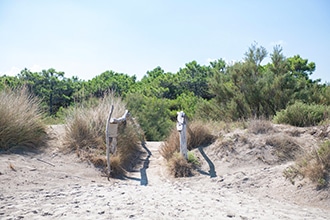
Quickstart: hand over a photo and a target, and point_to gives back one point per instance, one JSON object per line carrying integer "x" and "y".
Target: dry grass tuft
{"x": 116, "y": 166}
{"x": 21, "y": 122}
{"x": 171, "y": 145}
{"x": 314, "y": 165}
{"x": 317, "y": 165}
{"x": 285, "y": 146}
{"x": 258, "y": 126}
{"x": 179, "y": 166}
{"x": 199, "y": 135}
{"x": 86, "y": 135}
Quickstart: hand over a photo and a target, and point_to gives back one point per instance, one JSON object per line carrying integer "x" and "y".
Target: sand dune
{"x": 54, "y": 185}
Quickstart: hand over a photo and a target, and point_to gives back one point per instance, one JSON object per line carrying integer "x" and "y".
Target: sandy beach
{"x": 55, "y": 185}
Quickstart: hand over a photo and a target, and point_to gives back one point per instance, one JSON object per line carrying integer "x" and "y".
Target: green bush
{"x": 21, "y": 123}
{"x": 153, "y": 115}
{"x": 301, "y": 115}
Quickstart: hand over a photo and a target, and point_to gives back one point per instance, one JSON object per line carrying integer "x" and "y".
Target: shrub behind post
{"x": 182, "y": 128}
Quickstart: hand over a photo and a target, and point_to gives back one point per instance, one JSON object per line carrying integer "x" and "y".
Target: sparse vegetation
{"x": 258, "y": 126}
{"x": 21, "y": 122}
{"x": 86, "y": 135}
{"x": 314, "y": 165}
{"x": 285, "y": 146}
{"x": 317, "y": 165}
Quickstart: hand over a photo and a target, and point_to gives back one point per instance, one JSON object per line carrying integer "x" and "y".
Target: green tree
{"x": 9, "y": 82}
{"x": 194, "y": 78}
{"x": 153, "y": 115}
{"x": 51, "y": 86}
{"x": 300, "y": 67}
{"x": 109, "y": 81}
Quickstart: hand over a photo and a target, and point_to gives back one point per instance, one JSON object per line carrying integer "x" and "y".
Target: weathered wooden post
{"x": 181, "y": 127}
{"x": 111, "y": 133}
{"x": 108, "y": 140}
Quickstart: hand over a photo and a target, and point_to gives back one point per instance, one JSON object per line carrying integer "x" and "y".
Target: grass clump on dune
{"x": 86, "y": 135}
{"x": 317, "y": 165}
{"x": 260, "y": 126}
{"x": 21, "y": 123}
{"x": 179, "y": 166}
{"x": 198, "y": 135}
{"x": 314, "y": 165}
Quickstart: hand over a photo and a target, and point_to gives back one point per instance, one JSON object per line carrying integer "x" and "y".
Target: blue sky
{"x": 85, "y": 38}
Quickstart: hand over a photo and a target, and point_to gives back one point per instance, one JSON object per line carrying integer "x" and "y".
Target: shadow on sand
{"x": 143, "y": 171}
{"x": 211, "y": 172}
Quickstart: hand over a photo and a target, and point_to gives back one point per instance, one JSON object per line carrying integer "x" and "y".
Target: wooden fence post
{"x": 182, "y": 128}
{"x": 111, "y": 133}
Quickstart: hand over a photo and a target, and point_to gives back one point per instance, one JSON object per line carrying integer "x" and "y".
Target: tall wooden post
{"x": 182, "y": 128}
{"x": 108, "y": 140}
{"x": 111, "y": 132}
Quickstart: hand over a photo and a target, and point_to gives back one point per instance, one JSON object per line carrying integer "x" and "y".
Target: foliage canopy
{"x": 218, "y": 91}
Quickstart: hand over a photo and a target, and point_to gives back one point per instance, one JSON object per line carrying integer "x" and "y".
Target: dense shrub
{"x": 21, "y": 122}
{"x": 153, "y": 115}
{"x": 301, "y": 114}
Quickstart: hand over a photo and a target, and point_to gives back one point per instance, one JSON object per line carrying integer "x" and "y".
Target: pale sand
{"x": 69, "y": 189}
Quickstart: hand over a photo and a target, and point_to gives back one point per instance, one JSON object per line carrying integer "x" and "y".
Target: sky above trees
{"x": 85, "y": 38}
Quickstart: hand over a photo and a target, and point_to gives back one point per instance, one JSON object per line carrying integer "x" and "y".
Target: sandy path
{"x": 69, "y": 189}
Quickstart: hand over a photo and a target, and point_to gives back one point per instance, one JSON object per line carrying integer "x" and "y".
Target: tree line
{"x": 218, "y": 91}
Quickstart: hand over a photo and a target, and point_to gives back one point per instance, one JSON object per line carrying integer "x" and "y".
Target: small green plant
{"x": 193, "y": 159}
{"x": 291, "y": 173}
{"x": 321, "y": 182}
